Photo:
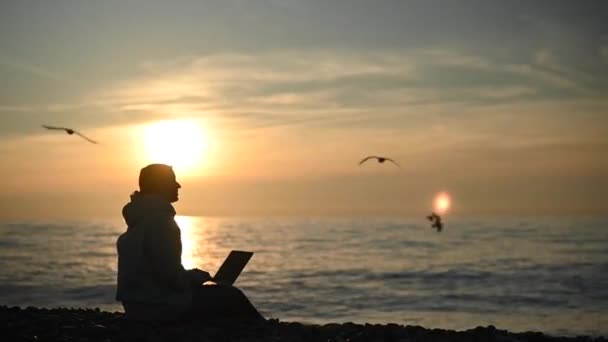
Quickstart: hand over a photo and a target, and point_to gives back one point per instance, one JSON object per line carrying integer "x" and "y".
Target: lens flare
{"x": 442, "y": 203}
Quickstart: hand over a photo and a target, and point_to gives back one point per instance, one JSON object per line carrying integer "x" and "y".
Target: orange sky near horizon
{"x": 55, "y": 175}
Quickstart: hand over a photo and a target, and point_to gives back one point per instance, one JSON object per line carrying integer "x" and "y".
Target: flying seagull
{"x": 70, "y": 132}
{"x": 380, "y": 160}
{"x": 436, "y": 220}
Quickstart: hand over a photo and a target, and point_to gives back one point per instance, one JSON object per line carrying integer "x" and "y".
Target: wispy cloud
{"x": 338, "y": 89}
{"x": 298, "y": 84}
{"x": 29, "y": 68}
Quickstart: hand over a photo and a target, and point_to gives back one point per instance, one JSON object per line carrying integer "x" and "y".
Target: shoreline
{"x": 63, "y": 324}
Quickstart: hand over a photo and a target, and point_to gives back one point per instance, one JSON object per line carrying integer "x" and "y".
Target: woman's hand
{"x": 199, "y": 276}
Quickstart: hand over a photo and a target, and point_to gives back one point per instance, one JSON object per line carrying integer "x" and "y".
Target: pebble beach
{"x": 65, "y": 324}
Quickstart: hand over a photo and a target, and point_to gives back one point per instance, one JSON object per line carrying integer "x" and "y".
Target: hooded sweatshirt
{"x": 150, "y": 273}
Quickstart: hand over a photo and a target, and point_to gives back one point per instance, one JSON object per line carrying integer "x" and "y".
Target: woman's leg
{"x": 223, "y": 302}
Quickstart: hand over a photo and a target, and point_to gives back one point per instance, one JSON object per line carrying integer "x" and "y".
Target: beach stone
{"x": 331, "y": 330}
{"x": 350, "y": 328}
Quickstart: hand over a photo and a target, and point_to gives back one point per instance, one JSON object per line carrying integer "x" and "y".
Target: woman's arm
{"x": 163, "y": 248}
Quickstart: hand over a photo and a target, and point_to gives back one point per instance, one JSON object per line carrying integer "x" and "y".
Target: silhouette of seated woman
{"x": 152, "y": 283}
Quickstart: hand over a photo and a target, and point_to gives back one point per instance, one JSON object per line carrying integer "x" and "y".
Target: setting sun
{"x": 179, "y": 143}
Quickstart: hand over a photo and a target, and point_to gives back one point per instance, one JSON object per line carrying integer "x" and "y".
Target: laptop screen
{"x": 232, "y": 267}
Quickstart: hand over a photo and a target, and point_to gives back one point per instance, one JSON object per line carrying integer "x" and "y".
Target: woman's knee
{"x": 233, "y": 292}
{"x": 236, "y": 290}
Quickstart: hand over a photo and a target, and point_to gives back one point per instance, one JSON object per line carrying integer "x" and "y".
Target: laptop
{"x": 232, "y": 267}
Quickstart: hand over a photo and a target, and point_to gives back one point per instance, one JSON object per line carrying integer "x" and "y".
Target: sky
{"x": 501, "y": 104}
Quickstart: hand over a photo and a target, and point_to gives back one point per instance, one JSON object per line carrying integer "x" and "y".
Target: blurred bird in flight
{"x": 436, "y": 220}
{"x": 70, "y": 132}
{"x": 380, "y": 160}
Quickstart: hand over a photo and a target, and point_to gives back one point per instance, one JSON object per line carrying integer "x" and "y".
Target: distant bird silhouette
{"x": 70, "y": 132}
{"x": 436, "y": 220}
{"x": 380, "y": 160}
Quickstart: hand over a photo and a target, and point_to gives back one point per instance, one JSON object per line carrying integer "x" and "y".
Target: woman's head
{"x": 159, "y": 179}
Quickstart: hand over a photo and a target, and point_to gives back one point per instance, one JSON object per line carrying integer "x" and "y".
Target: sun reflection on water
{"x": 192, "y": 240}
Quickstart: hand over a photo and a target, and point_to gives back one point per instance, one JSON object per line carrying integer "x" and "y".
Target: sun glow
{"x": 179, "y": 143}
{"x": 442, "y": 203}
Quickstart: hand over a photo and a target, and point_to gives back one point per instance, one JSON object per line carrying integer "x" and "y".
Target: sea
{"x": 547, "y": 274}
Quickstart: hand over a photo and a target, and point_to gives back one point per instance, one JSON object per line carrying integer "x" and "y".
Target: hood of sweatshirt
{"x": 145, "y": 206}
